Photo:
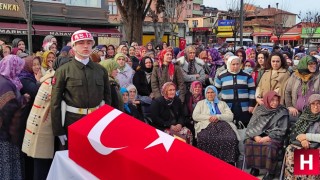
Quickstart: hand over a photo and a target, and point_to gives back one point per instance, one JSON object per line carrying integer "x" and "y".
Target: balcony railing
{"x": 197, "y": 1}
{"x": 197, "y": 12}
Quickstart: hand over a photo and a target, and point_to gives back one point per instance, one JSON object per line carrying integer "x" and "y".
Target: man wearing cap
{"x": 79, "y": 87}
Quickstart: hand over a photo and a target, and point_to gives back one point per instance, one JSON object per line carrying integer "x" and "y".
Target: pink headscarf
{"x": 10, "y": 67}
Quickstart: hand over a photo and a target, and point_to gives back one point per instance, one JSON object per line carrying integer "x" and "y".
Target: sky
{"x": 294, "y": 6}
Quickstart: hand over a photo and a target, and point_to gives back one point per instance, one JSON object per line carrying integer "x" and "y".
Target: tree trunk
{"x": 133, "y": 27}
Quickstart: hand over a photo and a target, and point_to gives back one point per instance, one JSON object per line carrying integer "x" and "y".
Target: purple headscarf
{"x": 10, "y": 67}
{"x": 216, "y": 61}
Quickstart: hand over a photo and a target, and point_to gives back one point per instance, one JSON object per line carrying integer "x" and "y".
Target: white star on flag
{"x": 164, "y": 139}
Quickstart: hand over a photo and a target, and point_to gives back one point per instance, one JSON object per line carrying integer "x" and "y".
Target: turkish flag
{"x": 113, "y": 145}
{"x": 182, "y": 43}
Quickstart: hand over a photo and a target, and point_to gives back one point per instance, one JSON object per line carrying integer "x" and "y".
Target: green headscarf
{"x": 304, "y": 73}
{"x": 117, "y": 56}
{"x": 110, "y": 65}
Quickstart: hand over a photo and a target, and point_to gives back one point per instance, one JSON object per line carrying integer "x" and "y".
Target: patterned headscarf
{"x": 10, "y": 67}
{"x": 170, "y": 66}
{"x": 193, "y": 99}
{"x": 248, "y": 52}
{"x": 306, "y": 119}
{"x": 110, "y": 65}
{"x": 216, "y": 61}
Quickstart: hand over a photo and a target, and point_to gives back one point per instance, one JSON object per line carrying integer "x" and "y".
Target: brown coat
{"x": 273, "y": 82}
{"x": 38, "y": 141}
{"x": 158, "y": 80}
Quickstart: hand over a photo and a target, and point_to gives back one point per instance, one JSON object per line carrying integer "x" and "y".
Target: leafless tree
{"x": 133, "y": 13}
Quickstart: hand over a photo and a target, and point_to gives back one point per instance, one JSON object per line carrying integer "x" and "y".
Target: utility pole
{"x": 29, "y": 24}
{"x": 241, "y": 23}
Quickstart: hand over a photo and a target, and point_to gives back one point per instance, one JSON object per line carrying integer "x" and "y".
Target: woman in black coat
{"x": 142, "y": 78}
{"x": 167, "y": 113}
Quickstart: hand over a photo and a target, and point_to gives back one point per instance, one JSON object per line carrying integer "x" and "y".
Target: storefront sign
{"x": 9, "y": 7}
{"x": 226, "y": 22}
{"x": 13, "y": 31}
{"x": 12, "y": 8}
{"x": 55, "y": 33}
{"x": 225, "y": 28}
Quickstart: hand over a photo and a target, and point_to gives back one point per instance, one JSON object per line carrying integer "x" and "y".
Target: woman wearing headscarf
{"x": 191, "y": 66}
{"x": 215, "y": 62}
{"x": 16, "y": 51}
{"x": 48, "y": 59}
{"x": 134, "y": 59}
{"x": 142, "y": 78}
{"x": 19, "y": 43}
{"x": 125, "y": 72}
{"x": 192, "y": 98}
{"x": 304, "y": 135}
{"x": 165, "y": 71}
{"x": 122, "y": 49}
{"x": 167, "y": 113}
{"x": 274, "y": 78}
{"x": 215, "y": 131}
{"x": 116, "y": 98}
{"x": 223, "y": 67}
{"x": 237, "y": 90}
{"x": 110, "y": 51}
{"x": 10, "y": 109}
{"x": 265, "y": 135}
{"x": 143, "y": 51}
{"x": 128, "y": 107}
{"x": 38, "y": 142}
{"x": 258, "y": 70}
{"x": 301, "y": 85}
{"x": 251, "y": 54}
{"x": 248, "y": 66}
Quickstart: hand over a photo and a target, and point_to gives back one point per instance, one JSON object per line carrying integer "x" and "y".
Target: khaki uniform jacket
{"x": 80, "y": 86}
{"x": 273, "y": 82}
{"x": 38, "y": 140}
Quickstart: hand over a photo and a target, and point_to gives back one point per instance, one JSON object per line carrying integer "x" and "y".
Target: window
{"x": 189, "y": 6}
{"x": 112, "y": 8}
{"x": 195, "y": 23}
{"x": 83, "y": 3}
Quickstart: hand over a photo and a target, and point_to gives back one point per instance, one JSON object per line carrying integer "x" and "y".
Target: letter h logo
{"x": 306, "y": 162}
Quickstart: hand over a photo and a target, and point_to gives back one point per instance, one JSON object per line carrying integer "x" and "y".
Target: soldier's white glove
{"x": 63, "y": 139}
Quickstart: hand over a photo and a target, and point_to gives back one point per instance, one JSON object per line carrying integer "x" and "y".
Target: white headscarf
{"x": 230, "y": 59}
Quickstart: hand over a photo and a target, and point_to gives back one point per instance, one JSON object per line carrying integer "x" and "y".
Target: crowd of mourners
{"x": 250, "y": 107}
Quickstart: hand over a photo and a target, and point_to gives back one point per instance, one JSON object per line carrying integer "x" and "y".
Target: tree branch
{"x": 146, "y": 10}
{"x": 121, "y": 9}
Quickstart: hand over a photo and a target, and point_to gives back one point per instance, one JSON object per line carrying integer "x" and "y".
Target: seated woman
{"x": 265, "y": 135}
{"x": 167, "y": 113}
{"x": 305, "y": 134}
{"x": 128, "y": 107}
{"x": 214, "y": 129}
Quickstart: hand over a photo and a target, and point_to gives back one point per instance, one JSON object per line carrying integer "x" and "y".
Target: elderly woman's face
{"x": 210, "y": 94}
{"x": 148, "y": 63}
{"x": 132, "y": 94}
{"x": 274, "y": 103}
{"x": 191, "y": 54}
{"x": 235, "y": 65}
{"x": 315, "y": 107}
{"x": 125, "y": 97}
{"x": 312, "y": 67}
{"x": 171, "y": 92}
{"x": 197, "y": 89}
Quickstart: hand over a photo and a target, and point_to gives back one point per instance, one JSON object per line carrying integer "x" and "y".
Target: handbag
{"x": 242, "y": 133}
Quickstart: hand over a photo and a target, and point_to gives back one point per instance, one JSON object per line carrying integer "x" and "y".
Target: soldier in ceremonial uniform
{"x": 79, "y": 87}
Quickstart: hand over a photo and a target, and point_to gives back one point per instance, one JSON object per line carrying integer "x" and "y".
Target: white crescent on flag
{"x": 94, "y": 135}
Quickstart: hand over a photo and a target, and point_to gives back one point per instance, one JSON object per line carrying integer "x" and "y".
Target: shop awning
{"x": 104, "y": 32}
{"x": 286, "y": 38}
{"x": 225, "y": 34}
{"x": 54, "y": 30}
{"x": 14, "y": 29}
{"x": 261, "y": 34}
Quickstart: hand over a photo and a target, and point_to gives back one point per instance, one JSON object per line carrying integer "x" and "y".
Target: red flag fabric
{"x": 113, "y": 145}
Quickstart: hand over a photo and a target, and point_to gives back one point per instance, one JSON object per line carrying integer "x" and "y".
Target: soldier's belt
{"x": 83, "y": 111}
